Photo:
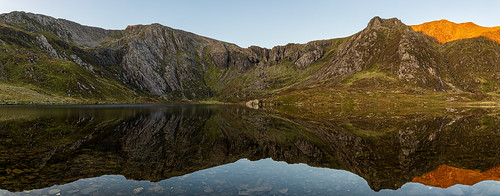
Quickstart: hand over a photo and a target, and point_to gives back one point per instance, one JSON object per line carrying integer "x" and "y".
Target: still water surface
{"x": 231, "y": 150}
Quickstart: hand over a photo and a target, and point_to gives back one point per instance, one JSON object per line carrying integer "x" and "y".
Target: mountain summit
{"x": 43, "y": 59}
{"x": 446, "y": 31}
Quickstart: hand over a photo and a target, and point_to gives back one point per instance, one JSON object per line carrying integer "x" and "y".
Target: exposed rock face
{"x": 162, "y": 60}
{"x": 64, "y": 29}
{"x": 418, "y": 63}
{"x": 45, "y": 45}
{"x": 255, "y": 104}
{"x": 220, "y": 54}
{"x": 359, "y": 51}
{"x": 309, "y": 58}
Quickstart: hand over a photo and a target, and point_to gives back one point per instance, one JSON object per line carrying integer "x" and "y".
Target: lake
{"x": 174, "y": 149}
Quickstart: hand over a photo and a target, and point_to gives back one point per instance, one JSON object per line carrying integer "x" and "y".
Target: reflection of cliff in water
{"x": 155, "y": 143}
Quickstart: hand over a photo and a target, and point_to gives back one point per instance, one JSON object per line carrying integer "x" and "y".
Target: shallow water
{"x": 232, "y": 150}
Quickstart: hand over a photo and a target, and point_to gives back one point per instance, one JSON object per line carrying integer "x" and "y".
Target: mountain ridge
{"x": 155, "y": 62}
{"x": 447, "y": 31}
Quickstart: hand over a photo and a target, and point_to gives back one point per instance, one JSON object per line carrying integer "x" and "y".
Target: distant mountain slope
{"x": 160, "y": 63}
{"x": 446, "y": 31}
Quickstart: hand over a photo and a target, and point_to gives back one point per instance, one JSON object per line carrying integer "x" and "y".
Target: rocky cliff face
{"x": 389, "y": 47}
{"x": 170, "y": 63}
{"x": 162, "y": 62}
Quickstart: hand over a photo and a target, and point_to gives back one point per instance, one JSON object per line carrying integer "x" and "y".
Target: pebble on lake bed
{"x": 138, "y": 190}
{"x": 54, "y": 191}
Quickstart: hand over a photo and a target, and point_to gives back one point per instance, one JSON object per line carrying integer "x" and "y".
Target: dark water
{"x": 231, "y": 150}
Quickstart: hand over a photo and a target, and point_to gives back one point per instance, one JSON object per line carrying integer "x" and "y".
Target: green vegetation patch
{"x": 367, "y": 75}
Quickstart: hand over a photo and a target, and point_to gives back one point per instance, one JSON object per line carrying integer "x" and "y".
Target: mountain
{"x": 446, "y": 31}
{"x": 43, "y": 59}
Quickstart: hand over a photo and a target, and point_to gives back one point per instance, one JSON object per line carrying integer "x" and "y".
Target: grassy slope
{"x": 10, "y": 94}
{"x": 28, "y": 74}
{"x": 474, "y": 63}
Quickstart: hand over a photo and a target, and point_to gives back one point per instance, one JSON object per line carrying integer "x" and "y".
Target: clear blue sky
{"x": 259, "y": 22}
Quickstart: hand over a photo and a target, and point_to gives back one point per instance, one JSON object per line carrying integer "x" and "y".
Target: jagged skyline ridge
{"x": 447, "y": 31}
{"x": 260, "y": 23}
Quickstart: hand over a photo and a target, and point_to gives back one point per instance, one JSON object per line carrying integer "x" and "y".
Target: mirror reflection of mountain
{"x": 55, "y": 145}
{"x": 445, "y": 176}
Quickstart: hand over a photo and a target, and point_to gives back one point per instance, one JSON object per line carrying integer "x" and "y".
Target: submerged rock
{"x": 255, "y": 104}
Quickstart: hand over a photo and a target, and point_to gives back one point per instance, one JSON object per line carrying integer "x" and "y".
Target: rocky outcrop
{"x": 300, "y": 55}
{"x": 64, "y": 29}
{"x": 255, "y": 104}
{"x": 418, "y": 63}
{"x": 366, "y": 48}
{"x": 45, "y": 45}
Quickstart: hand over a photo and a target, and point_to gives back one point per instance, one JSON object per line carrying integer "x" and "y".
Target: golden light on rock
{"x": 446, "y": 176}
{"x": 133, "y": 26}
{"x": 446, "y": 31}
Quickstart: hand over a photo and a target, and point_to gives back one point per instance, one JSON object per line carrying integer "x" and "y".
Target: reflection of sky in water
{"x": 263, "y": 177}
